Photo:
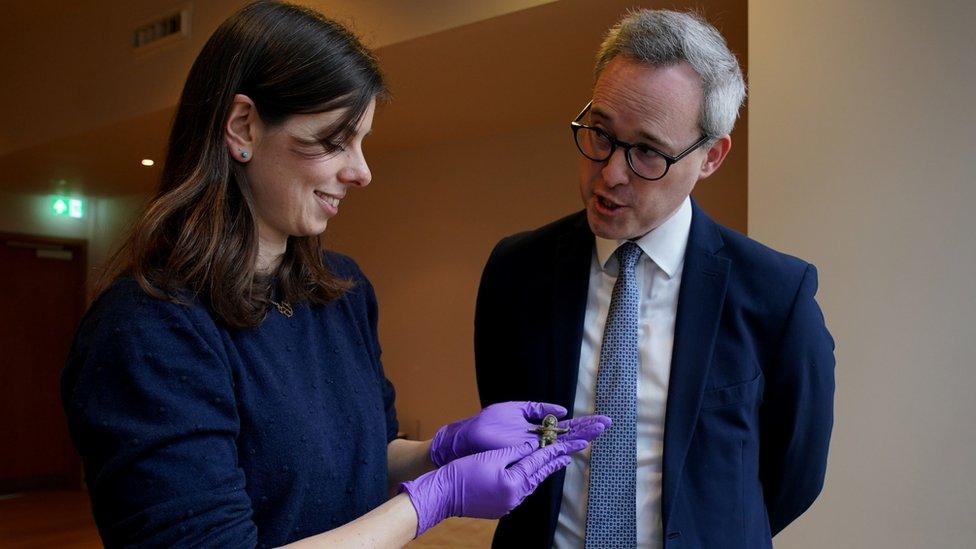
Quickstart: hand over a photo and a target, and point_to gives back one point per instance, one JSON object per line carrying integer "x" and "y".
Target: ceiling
{"x": 457, "y": 69}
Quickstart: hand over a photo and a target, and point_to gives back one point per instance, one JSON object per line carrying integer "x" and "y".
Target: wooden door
{"x": 42, "y": 296}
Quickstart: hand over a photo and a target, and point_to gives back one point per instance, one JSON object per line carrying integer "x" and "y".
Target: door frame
{"x": 80, "y": 247}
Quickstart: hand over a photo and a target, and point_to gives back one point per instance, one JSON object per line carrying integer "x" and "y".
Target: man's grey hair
{"x": 665, "y": 38}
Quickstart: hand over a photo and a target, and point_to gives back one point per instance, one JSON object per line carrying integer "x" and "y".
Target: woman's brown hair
{"x": 198, "y": 234}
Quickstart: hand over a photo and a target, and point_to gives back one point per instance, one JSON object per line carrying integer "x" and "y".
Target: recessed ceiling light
{"x": 147, "y": 162}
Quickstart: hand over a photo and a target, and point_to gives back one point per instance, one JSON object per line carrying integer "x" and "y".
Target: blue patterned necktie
{"x": 611, "y": 505}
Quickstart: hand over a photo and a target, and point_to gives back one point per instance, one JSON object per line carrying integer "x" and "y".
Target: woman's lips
{"x": 329, "y": 203}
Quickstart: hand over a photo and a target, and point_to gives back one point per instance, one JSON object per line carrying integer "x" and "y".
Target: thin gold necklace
{"x": 284, "y": 307}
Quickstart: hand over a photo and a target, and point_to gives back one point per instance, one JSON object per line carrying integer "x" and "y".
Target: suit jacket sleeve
{"x": 797, "y": 412}
{"x": 486, "y": 338}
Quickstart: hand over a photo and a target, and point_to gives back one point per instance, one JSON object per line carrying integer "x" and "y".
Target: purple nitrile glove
{"x": 487, "y": 484}
{"x": 505, "y": 424}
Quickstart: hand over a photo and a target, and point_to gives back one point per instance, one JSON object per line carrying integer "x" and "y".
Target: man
{"x": 706, "y": 348}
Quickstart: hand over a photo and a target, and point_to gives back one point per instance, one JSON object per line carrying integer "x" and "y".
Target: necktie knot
{"x": 628, "y": 254}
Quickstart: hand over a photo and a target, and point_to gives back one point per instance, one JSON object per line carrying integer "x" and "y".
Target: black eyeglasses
{"x": 646, "y": 161}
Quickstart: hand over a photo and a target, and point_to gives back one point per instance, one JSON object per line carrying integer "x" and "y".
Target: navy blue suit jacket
{"x": 750, "y": 400}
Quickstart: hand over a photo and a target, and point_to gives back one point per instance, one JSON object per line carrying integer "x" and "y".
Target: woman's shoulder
{"x": 126, "y": 307}
{"x": 127, "y": 328}
{"x": 342, "y": 265}
{"x": 361, "y": 294}
{"x": 126, "y": 298}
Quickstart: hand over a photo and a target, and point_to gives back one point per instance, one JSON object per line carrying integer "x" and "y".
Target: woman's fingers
{"x": 584, "y": 421}
{"x": 532, "y": 463}
{"x": 585, "y": 428}
{"x": 587, "y": 433}
{"x": 510, "y": 456}
{"x": 549, "y": 468}
{"x": 536, "y": 411}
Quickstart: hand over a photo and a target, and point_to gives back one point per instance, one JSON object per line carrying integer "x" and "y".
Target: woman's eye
{"x": 319, "y": 149}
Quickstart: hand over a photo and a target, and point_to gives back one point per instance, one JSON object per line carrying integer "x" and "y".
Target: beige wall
{"x": 861, "y": 134}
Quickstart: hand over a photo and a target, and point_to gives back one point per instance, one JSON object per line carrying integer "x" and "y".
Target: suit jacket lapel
{"x": 700, "y": 301}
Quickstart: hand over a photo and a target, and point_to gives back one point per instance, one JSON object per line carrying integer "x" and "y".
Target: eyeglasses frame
{"x": 614, "y": 143}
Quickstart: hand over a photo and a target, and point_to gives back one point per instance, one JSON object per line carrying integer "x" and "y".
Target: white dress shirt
{"x": 658, "y": 279}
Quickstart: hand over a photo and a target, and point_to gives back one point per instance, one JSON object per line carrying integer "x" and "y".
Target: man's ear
{"x": 714, "y": 156}
{"x": 242, "y": 128}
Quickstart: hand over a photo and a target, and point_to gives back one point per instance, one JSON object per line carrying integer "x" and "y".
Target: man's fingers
{"x": 537, "y": 410}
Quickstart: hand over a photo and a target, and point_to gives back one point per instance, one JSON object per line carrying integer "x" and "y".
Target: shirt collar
{"x": 665, "y": 245}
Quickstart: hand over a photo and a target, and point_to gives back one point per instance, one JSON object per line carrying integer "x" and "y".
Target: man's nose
{"x": 615, "y": 170}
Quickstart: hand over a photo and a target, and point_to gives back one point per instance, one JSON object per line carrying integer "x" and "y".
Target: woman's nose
{"x": 356, "y": 172}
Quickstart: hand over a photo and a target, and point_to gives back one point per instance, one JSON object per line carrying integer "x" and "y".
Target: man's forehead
{"x": 658, "y": 100}
{"x": 647, "y": 128}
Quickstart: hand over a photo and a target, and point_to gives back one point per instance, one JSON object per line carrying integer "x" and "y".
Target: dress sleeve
{"x": 371, "y": 335}
{"x": 151, "y": 408}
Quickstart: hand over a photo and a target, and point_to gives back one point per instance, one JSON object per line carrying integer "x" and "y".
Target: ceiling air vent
{"x": 163, "y": 30}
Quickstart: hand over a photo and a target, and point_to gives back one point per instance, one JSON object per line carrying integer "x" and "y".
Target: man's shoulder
{"x": 543, "y": 238}
{"x": 760, "y": 268}
{"x": 751, "y": 251}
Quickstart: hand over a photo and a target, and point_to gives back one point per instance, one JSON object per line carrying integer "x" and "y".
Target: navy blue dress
{"x": 195, "y": 434}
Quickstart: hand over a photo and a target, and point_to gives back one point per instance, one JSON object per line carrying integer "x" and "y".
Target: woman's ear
{"x": 242, "y": 128}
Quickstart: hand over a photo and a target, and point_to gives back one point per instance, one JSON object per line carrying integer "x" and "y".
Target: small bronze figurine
{"x": 548, "y": 430}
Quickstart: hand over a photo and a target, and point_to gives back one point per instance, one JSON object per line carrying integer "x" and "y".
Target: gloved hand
{"x": 504, "y": 424}
{"x": 487, "y": 484}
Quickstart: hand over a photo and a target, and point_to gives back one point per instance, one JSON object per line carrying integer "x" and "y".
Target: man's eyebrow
{"x": 654, "y": 140}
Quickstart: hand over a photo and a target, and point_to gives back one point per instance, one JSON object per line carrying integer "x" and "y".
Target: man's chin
{"x": 605, "y": 229}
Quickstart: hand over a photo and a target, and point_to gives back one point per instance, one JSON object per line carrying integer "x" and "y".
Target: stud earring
{"x": 244, "y": 154}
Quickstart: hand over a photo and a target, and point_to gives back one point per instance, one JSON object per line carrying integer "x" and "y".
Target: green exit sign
{"x": 63, "y": 206}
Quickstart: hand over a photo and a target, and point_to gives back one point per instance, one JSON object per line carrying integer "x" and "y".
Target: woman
{"x": 225, "y": 389}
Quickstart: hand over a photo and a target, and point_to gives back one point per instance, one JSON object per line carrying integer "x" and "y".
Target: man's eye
{"x": 644, "y": 150}
{"x": 601, "y": 136}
